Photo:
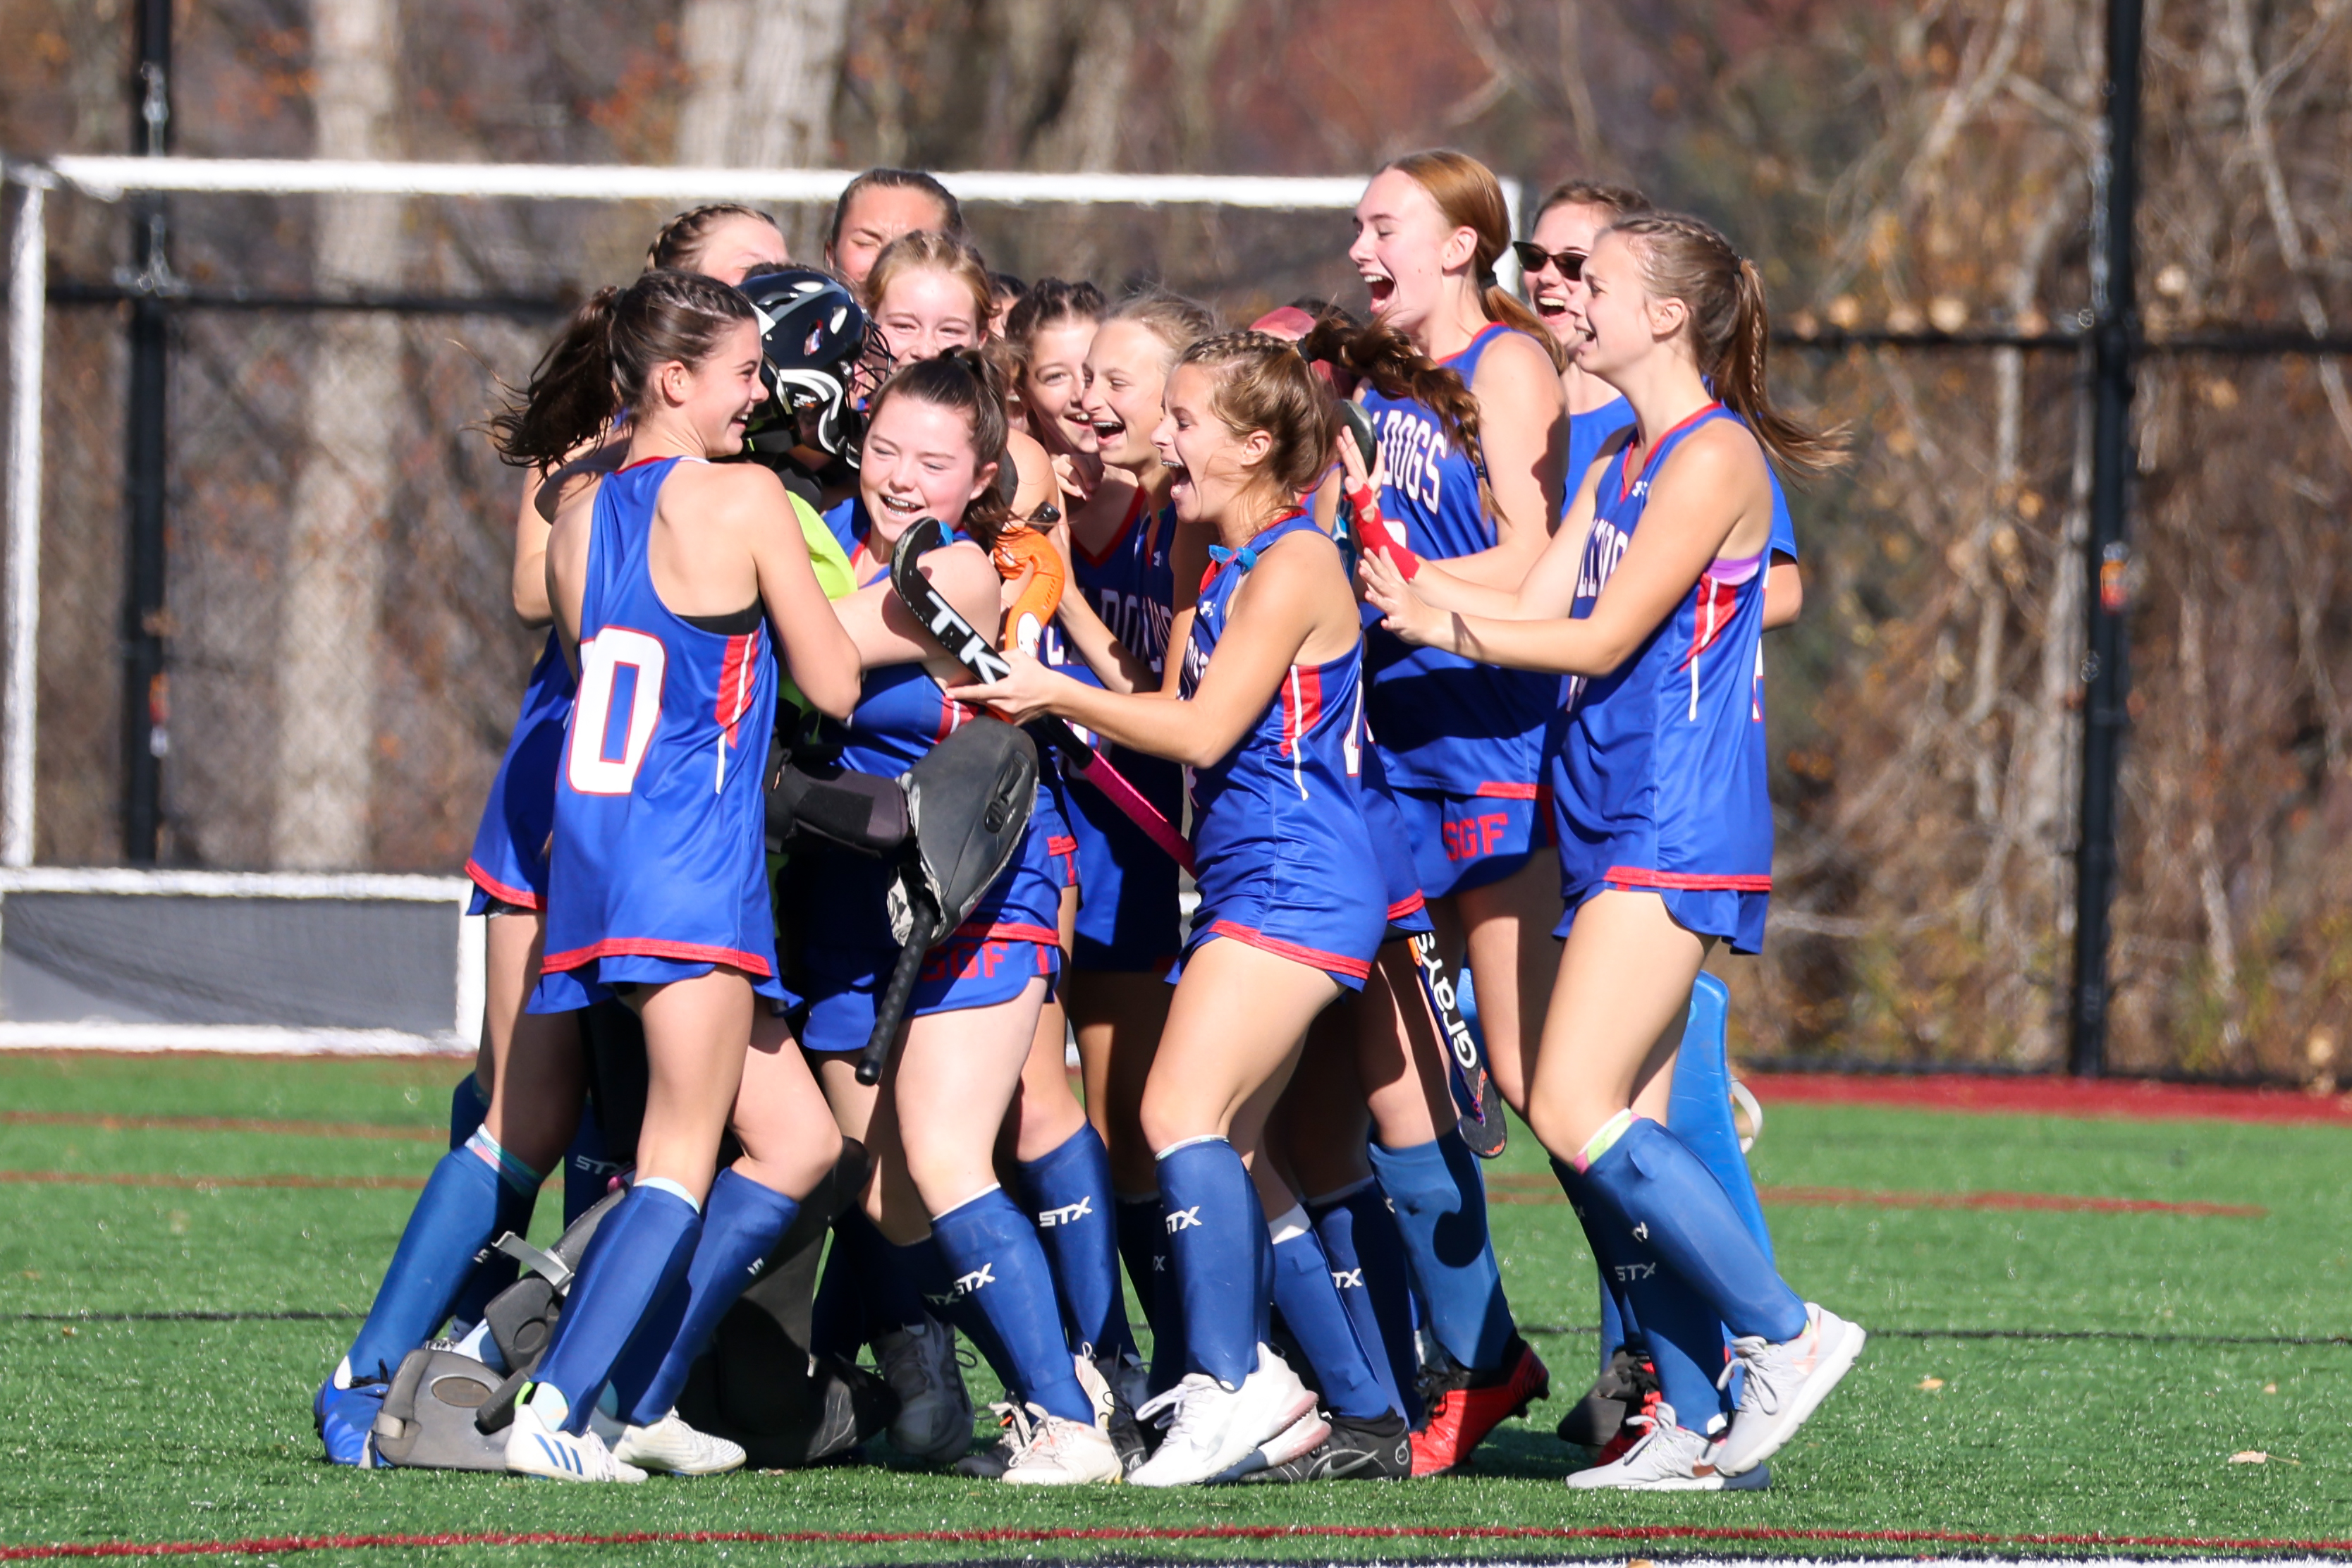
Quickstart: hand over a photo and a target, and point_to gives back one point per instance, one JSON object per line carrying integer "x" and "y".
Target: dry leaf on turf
{"x": 1930, "y": 1385}
{"x": 2249, "y": 1457}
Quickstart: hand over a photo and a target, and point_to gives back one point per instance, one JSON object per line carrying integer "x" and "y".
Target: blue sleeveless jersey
{"x": 1284, "y": 861}
{"x": 1588, "y": 434}
{"x": 660, "y": 868}
{"x": 1445, "y": 723}
{"x": 1012, "y": 937}
{"x": 1128, "y": 921}
{"x": 1660, "y": 781}
{"x": 508, "y": 862}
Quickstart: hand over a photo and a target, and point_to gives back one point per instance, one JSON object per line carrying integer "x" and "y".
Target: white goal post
{"x": 111, "y": 178}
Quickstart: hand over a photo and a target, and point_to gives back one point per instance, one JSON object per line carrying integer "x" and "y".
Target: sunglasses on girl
{"x": 1534, "y": 258}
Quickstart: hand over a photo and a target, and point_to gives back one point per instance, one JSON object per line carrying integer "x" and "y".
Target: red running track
{"x": 263, "y": 1545}
{"x": 2135, "y": 1099}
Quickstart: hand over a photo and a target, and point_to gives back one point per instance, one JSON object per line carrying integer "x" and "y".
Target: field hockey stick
{"x": 965, "y": 645}
{"x": 890, "y": 1007}
{"x": 1477, "y": 1103}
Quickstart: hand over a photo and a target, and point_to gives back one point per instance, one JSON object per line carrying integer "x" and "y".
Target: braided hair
{"x": 678, "y": 244}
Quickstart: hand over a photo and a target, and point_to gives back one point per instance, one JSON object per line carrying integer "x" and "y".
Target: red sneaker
{"x": 1461, "y": 1416}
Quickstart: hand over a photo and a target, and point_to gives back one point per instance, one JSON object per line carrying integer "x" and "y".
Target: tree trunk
{"x": 763, "y": 78}
{"x": 334, "y": 555}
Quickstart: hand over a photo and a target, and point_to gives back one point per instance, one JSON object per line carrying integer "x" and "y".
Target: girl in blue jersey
{"x": 1652, "y": 596}
{"x": 1690, "y": 1084}
{"x": 1462, "y": 389}
{"x": 1124, "y": 553}
{"x": 675, "y": 586}
{"x": 519, "y": 1109}
{"x": 1266, "y": 720}
{"x": 933, "y": 447}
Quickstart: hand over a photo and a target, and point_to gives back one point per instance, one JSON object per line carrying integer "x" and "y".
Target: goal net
{"x": 341, "y": 662}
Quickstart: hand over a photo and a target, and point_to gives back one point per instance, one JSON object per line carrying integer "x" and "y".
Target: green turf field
{"x": 2116, "y": 1411}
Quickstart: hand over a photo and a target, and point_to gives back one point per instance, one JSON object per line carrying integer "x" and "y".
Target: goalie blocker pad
{"x": 427, "y": 1421}
{"x": 969, "y": 801}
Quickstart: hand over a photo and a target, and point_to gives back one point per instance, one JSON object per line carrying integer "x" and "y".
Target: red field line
{"x": 262, "y": 1545}
{"x": 2055, "y": 1096}
{"x": 1533, "y": 1189}
{"x": 161, "y": 1179}
{"x": 217, "y": 1125}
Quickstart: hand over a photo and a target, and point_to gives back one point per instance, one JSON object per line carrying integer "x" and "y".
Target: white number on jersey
{"x": 602, "y": 659}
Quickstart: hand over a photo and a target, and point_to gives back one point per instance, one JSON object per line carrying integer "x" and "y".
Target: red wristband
{"x": 1374, "y": 530}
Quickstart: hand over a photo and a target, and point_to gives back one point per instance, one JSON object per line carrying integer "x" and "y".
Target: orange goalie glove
{"x": 1020, "y": 549}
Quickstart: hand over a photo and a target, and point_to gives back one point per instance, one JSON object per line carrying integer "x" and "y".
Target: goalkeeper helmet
{"x": 823, "y": 359}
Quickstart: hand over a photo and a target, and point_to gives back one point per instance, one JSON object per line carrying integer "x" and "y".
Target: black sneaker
{"x": 1596, "y": 1419}
{"x": 1357, "y": 1450}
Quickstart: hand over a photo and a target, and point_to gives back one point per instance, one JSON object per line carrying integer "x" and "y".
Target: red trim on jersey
{"x": 655, "y": 947}
{"x": 1057, "y": 845}
{"x": 1312, "y": 957}
{"x": 1136, "y": 507}
{"x": 640, "y": 463}
{"x": 971, "y": 931}
{"x": 1302, "y": 705}
{"x": 1404, "y": 906}
{"x": 1625, "y": 472}
{"x": 739, "y": 676}
{"x": 520, "y": 898}
{"x": 1629, "y": 877}
{"x": 1712, "y": 606}
{"x": 1491, "y": 790}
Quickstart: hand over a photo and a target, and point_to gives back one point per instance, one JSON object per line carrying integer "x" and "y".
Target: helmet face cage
{"x": 823, "y": 361}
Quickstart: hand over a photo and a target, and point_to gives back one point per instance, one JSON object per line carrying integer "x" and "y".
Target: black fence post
{"x": 2115, "y": 177}
{"x": 144, "y": 690}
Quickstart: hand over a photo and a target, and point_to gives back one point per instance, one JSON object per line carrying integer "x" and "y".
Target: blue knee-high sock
{"x": 494, "y": 1270}
{"x": 1067, "y": 1192}
{"x": 588, "y": 1167}
{"x": 639, "y": 1255}
{"x": 1659, "y": 1194}
{"x": 455, "y": 1216}
{"x": 1216, "y": 1232}
{"x": 991, "y": 1247}
{"x": 923, "y": 1264}
{"x": 1676, "y": 1326}
{"x": 741, "y": 1223}
{"x": 467, "y": 1106}
{"x": 1440, "y": 1211}
{"x": 1139, "y": 1232}
{"x": 867, "y": 1289}
{"x": 1366, "y": 1255}
{"x": 1309, "y": 1302}
{"x": 1167, "y": 1293}
{"x": 1700, "y": 1109}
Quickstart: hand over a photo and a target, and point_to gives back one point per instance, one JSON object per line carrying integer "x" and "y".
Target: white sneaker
{"x": 672, "y": 1446}
{"x": 536, "y": 1446}
{"x": 1097, "y": 1389}
{"x": 1301, "y": 1437}
{"x": 1051, "y": 1450}
{"x": 1211, "y": 1429}
{"x": 934, "y": 1419}
{"x": 1785, "y": 1384}
{"x": 1666, "y": 1459}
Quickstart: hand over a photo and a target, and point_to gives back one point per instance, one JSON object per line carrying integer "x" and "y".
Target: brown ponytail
{"x": 1468, "y": 194}
{"x": 1386, "y": 358}
{"x": 1262, "y": 383}
{"x": 601, "y": 364}
{"x": 1686, "y": 258}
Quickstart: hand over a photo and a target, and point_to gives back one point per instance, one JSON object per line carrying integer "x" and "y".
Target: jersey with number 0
{"x": 660, "y": 821}
{"x": 1660, "y": 779}
{"x": 509, "y": 861}
{"x": 1447, "y": 723}
{"x": 1283, "y": 860}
